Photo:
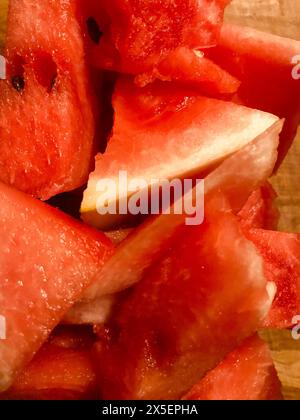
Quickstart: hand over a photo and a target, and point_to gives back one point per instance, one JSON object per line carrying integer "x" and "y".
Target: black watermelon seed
{"x": 94, "y": 30}
{"x": 18, "y": 83}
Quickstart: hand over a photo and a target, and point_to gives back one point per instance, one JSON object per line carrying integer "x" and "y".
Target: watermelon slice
{"x": 248, "y": 373}
{"x": 260, "y": 210}
{"x": 161, "y": 132}
{"x": 254, "y": 164}
{"x": 46, "y": 109}
{"x": 281, "y": 253}
{"x": 47, "y": 260}
{"x": 98, "y": 310}
{"x": 56, "y": 373}
{"x": 265, "y": 64}
{"x": 144, "y": 245}
{"x": 192, "y": 296}
{"x": 3, "y": 16}
{"x": 134, "y": 35}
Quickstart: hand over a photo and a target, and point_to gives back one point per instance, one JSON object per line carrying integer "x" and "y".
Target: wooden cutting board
{"x": 281, "y": 17}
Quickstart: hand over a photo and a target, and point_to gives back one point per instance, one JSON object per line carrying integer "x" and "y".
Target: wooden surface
{"x": 281, "y": 17}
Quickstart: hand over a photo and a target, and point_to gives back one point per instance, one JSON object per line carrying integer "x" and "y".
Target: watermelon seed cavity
{"x": 93, "y": 30}
{"x": 45, "y": 70}
{"x": 18, "y": 83}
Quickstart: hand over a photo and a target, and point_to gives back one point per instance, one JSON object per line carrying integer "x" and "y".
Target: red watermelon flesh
{"x": 146, "y": 244}
{"x": 46, "y": 109}
{"x": 179, "y": 62}
{"x": 163, "y": 132}
{"x": 47, "y": 261}
{"x": 169, "y": 331}
{"x": 260, "y": 210}
{"x": 247, "y": 373}
{"x": 281, "y": 254}
{"x": 56, "y": 373}
{"x": 190, "y": 67}
{"x": 137, "y": 34}
{"x": 253, "y": 164}
{"x": 99, "y": 309}
{"x": 264, "y": 64}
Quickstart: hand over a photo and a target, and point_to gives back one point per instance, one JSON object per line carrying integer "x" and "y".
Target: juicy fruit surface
{"x": 47, "y": 261}
{"x": 253, "y": 56}
{"x": 150, "y": 43}
{"x": 145, "y": 245}
{"x": 137, "y": 34}
{"x": 57, "y": 374}
{"x": 191, "y": 298}
{"x": 3, "y": 14}
{"x": 254, "y": 163}
{"x": 62, "y": 369}
{"x": 248, "y": 373}
{"x": 260, "y": 210}
{"x": 163, "y": 132}
{"x": 117, "y": 236}
{"x": 46, "y": 118}
{"x": 264, "y": 64}
{"x": 281, "y": 253}
{"x": 167, "y": 332}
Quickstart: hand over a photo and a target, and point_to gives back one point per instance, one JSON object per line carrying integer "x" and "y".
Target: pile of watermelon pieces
{"x": 119, "y": 307}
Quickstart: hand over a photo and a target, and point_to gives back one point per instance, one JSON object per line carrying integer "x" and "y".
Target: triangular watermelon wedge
{"x": 47, "y": 261}
{"x": 191, "y": 68}
{"x": 146, "y": 244}
{"x": 260, "y": 210}
{"x": 247, "y": 373}
{"x": 281, "y": 254}
{"x": 47, "y": 125}
{"x": 137, "y": 34}
{"x": 163, "y": 132}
